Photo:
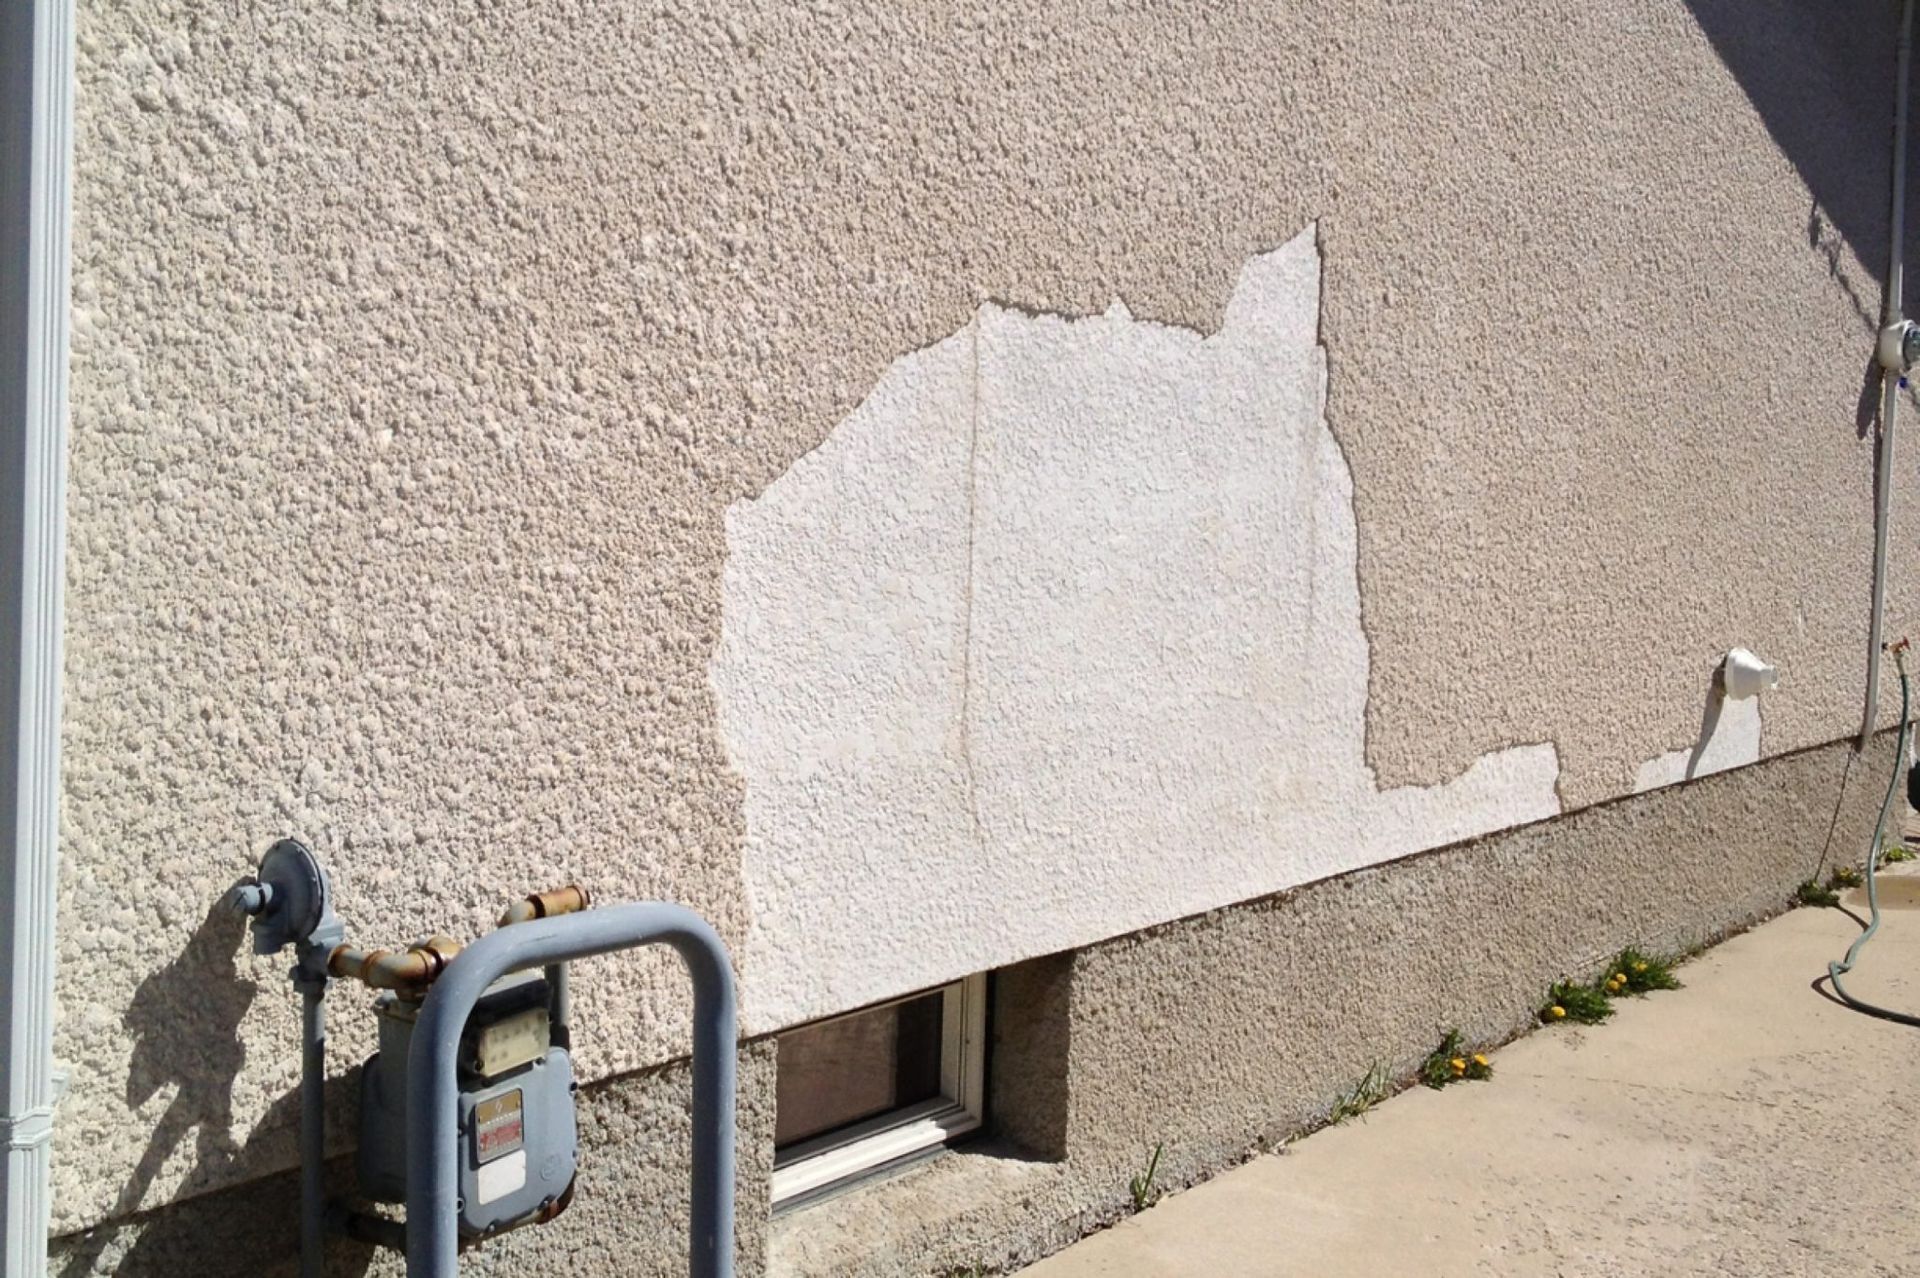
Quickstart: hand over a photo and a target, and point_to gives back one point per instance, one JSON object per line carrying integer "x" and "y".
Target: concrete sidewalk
{"x": 1743, "y": 1125}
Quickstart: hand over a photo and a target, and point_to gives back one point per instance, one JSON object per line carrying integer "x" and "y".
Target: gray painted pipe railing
{"x": 433, "y": 1169}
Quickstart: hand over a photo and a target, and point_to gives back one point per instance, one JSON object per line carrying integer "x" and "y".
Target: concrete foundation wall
{"x": 1223, "y": 1035}
{"x": 1214, "y": 1036}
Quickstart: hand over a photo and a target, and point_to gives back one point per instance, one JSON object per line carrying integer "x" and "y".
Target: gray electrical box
{"x": 518, "y": 1149}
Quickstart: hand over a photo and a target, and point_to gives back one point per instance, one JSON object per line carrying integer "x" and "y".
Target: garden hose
{"x": 1836, "y": 970}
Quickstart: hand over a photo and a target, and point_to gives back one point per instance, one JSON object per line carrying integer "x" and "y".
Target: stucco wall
{"x": 422, "y": 349}
{"x": 628, "y": 1215}
{"x": 1225, "y": 1035}
{"x": 1056, "y": 637}
{"x": 1214, "y": 1036}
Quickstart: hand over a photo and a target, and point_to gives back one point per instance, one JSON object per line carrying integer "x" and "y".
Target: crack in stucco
{"x": 968, "y": 770}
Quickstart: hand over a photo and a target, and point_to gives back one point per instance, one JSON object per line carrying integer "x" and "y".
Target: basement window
{"x": 861, "y": 1092}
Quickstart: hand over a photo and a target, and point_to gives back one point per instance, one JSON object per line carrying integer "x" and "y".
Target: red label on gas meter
{"x": 498, "y": 1126}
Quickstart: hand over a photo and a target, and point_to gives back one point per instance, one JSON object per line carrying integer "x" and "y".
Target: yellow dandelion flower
{"x": 1479, "y": 1060}
{"x": 1459, "y": 1066}
{"x": 1557, "y": 1012}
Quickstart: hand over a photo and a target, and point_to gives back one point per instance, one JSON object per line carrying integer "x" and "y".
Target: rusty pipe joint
{"x": 409, "y": 971}
{"x": 545, "y": 905}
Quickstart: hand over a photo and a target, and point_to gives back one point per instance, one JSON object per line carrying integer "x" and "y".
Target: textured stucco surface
{"x": 1226, "y": 1034}
{"x": 1059, "y": 634}
{"x": 421, "y": 347}
{"x": 628, "y": 1216}
{"x": 1217, "y": 1035}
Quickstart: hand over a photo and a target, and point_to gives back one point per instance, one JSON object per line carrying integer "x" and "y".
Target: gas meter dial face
{"x": 499, "y": 1126}
{"x": 511, "y": 1042}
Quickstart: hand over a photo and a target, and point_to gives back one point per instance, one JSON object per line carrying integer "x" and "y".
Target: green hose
{"x": 1836, "y": 970}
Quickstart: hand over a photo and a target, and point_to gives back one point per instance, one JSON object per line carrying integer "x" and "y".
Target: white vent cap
{"x": 1743, "y": 674}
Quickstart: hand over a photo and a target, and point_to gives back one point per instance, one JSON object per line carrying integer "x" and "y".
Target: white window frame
{"x": 838, "y": 1156}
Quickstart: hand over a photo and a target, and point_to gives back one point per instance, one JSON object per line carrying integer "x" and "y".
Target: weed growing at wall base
{"x": 1632, "y": 971}
{"x": 1141, "y": 1186}
{"x": 1582, "y": 1004}
{"x": 1637, "y": 972}
{"x": 1363, "y": 1096}
{"x": 1812, "y": 893}
{"x": 1450, "y": 1063}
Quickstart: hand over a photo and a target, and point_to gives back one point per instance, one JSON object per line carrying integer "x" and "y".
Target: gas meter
{"x": 466, "y": 1111}
{"x": 517, "y": 1145}
{"x": 513, "y": 1074}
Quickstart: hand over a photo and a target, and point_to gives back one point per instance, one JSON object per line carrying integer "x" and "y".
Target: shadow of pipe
{"x": 185, "y": 1024}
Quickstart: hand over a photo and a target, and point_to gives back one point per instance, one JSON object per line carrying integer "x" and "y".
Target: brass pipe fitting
{"x": 544, "y": 905}
{"x": 409, "y": 971}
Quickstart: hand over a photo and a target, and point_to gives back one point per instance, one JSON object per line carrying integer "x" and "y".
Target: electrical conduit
{"x": 36, "y": 167}
{"x": 1891, "y": 377}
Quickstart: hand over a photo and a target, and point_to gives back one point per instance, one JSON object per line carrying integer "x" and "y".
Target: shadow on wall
{"x": 184, "y": 1020}
{"x": 1821, "y": 77}
{"x": 248, "y": 1232}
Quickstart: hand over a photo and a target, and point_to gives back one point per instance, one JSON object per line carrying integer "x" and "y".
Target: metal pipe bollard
{"x": 433, "y": 1089}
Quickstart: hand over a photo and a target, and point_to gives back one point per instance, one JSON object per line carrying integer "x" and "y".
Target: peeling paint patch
{"x": 1729, "y": 738}
{"x": 1058, "y": 636}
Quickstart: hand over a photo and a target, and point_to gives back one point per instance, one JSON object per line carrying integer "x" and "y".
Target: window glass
{"x": 841, "y": 1071}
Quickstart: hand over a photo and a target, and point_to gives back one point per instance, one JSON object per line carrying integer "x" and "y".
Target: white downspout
{"x": 1893, "y": 348}
{"x": 36, "y": 167}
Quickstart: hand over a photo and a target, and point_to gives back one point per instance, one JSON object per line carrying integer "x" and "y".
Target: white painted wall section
{"x": 1729, "y": 738}
{"x": 1055, "y": 637}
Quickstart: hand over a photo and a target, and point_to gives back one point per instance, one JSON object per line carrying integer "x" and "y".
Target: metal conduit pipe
{"x": 36, "y": 168}
{"x": 1892, "y": 355}
{"x": 313, "y": 1124}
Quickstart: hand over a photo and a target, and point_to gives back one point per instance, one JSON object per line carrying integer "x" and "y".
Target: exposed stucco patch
{"x": 1057, "y": 636}
{"x": 1729, "y": 738}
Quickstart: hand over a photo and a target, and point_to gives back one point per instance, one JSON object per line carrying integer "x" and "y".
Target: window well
{"x": 869, "y": 1088}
